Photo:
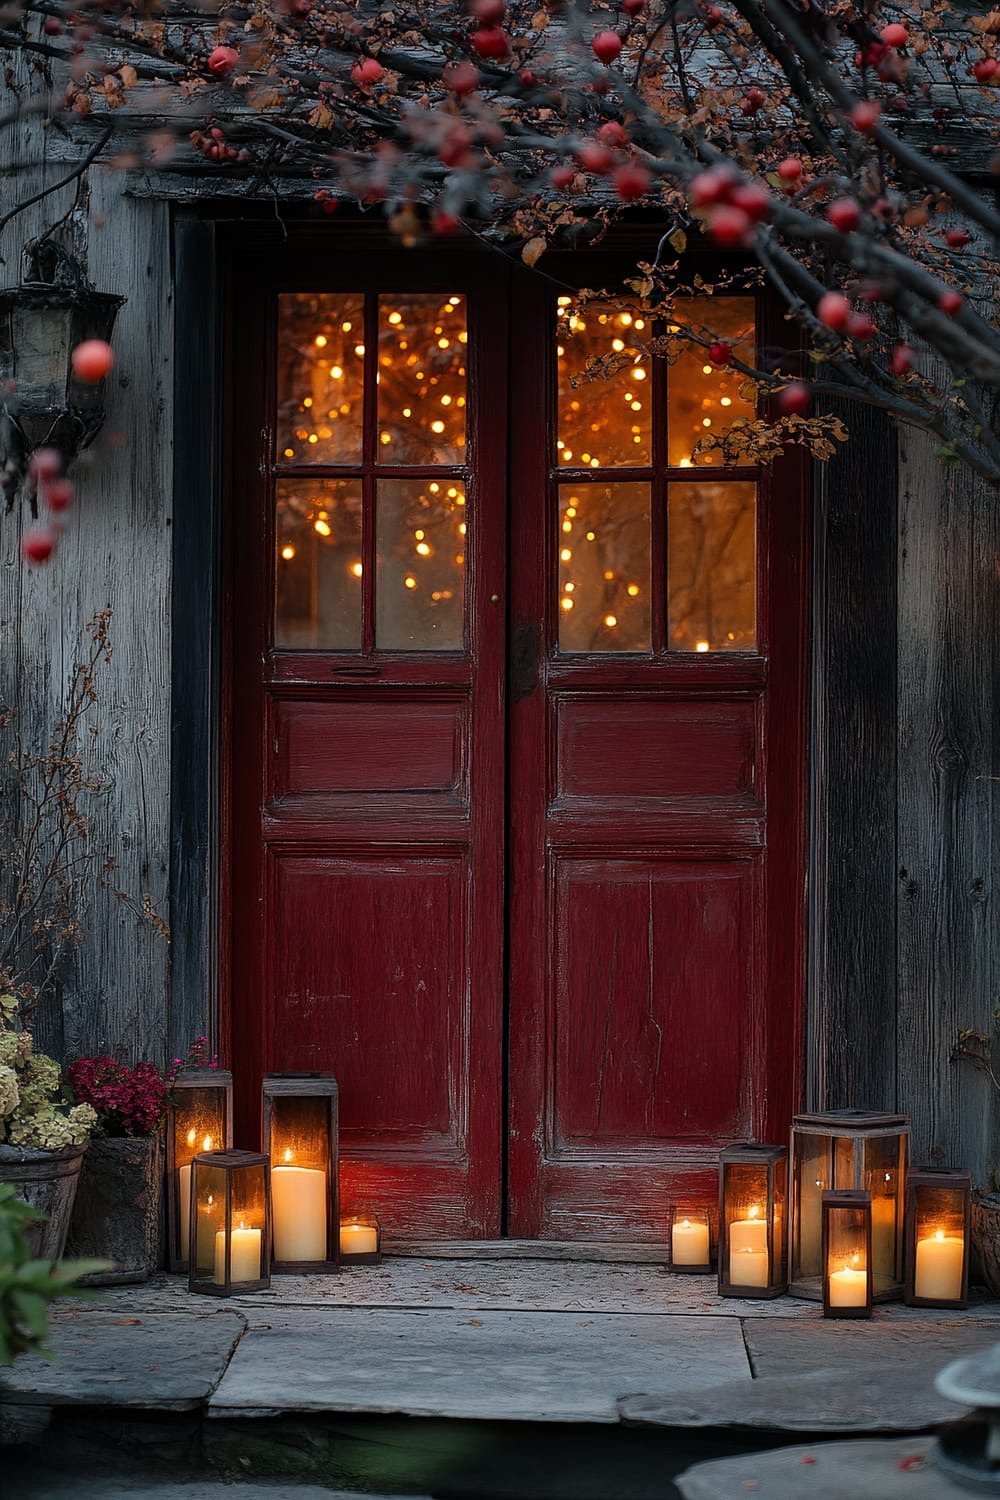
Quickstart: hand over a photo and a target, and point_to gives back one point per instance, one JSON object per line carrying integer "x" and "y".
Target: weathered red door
{"x": 558, "y": 815}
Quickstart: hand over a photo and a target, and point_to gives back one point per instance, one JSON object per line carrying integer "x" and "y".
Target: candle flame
{"x": 207, "y": 1143}
{"x": 288, "y": 1153}
{"x": 754, "y": 1211}
{"x": 211, "y": 1200}
{"x": 192, "y": 1136}
{"x": 939, "y": 1235}
{"x": 685, "y": 1223}
{"x": 855, "y": 1259}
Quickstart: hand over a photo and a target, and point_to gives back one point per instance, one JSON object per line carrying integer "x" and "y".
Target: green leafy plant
{"x": 27, "y": 1285}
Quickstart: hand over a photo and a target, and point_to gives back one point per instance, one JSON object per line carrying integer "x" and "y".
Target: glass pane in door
{"x": 317, "y": 565}
{"x": 604, "y": 550}
{"x": 711, "y": 565}
{"x": 420, "y": 569}
{"x": 320, "y": 377}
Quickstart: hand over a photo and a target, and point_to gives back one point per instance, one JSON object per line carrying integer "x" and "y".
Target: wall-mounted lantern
{"x": 200, "y": 1119}
{"x": 300, "y": 1137}
{"x": 230, "y": 1227}
{"x": 937, "y": 1238}
{"x": 360, "y": 1240}
{"x": 753, "y": 1217}
{"x": 43, "y": 404}
{"x": 847, "y": 1254}
{"x": 848, "y": 1149}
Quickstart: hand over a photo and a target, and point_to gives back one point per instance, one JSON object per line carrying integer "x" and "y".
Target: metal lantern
{"x": 230, "y": 1241}
{"x": 200, "y": 1119}
{"x": 937, "y": 1237}
{"x": 300, "y": 1137}
{"x": 847, "y": 1254}
{"x": 840, "y": 1150}
{"x": 691, "y": 1238}
{"x": 360, "y": 1240}
{"x": 753, "y": 1212}
{"x": 41, "y": 323}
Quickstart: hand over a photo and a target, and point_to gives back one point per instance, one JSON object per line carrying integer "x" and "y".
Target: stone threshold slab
{"x": 500, "y": 1366}
{"x": 898, "y": 1470}
{"x": 30, "y": 1482}
{"x": 162, "y": 1361}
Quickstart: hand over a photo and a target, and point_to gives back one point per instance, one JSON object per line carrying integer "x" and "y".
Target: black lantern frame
{"x": 300, "y": 1136}
{"x": 753, "y": 1176}
{"x": 848, "y": 1150}
{"x": 938, "y": 1237}
{"x": 353, "y": 1224}
{"x": 201, "y": 1108}
{"x": 692, "y": 1229}
{"x": 230, "y": 1240}
{"x": 847, "y": 1235}
{"x": 41, "y": 322}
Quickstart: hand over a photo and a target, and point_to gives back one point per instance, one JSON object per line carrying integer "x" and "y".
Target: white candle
{"x": 689, "y": 1244}
{"x": 749, "y": 1233}
{"x": 748, "y": 1266}
{"x": 245, "y": 1256}
{"x": 848, "y": 1288}
{"x": 298, "y": 1207}
{"x": 938, "y": 1273}
{"x": 358, "y": 1239}
{"x": 184, "y": 1194}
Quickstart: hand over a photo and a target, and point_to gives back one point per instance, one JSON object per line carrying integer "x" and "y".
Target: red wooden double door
{"x": 514, "y": 788}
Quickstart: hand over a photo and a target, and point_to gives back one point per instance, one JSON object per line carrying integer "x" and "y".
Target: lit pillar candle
{"x": 689, "y": 1244}
{"x": 244, "y": 1256}
{"x": 848, "y": 1288}
{"x": 298, "y": 1208}
{"x": 749, "y": 1234}
{"x": 358, "y": 1239}
{"x": 938, "y": 1272}
{"x": 184, "y": 1193}
{"x": 748, "y": 1267}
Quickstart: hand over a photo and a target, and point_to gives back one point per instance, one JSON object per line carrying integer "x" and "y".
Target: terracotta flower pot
{"x": 118, "y": 1210}
{"x": 986, "y": 1237}
{"x": 46, "y": 1180}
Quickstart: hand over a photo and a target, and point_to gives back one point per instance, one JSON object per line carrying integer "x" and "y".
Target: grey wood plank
{"x": 530, "y": 1367}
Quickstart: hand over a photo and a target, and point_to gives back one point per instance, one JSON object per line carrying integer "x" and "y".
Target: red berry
{"x": 443, "y": 223}
{"x": 755, "y": 201}
{"x": 490, "y": 12}
{"x": 752, "y": 101}
{"x": 58, "y": 494}
{"x": 861, "y": 327}
{"x": 367, "y": 71}
{"x": 844, "y": 214}
{"x": 632, "y": 182}
{"x": 728, "y": 225}
{"x": 902, "y": 359}
{"x": 460, "y": 77}
{"x": 562, "y": 176}
{"x": 606, "y": 46}
{"x": 713, "y": 17}
{"x": 52, "y": 26}
{"x": 633, "y": 7}
{"x": 957, "y": 238}
{"x": 895, "y": 35}
{"x": 613, "y": 134}
{"x": 834, "y": 310}
{"x": 455, "y": 146}
{"x": 45, "y": 464}
{"x": 984, "y": 69}
{"x": 795, "y": 399}
{"x": 528, "y": 78}
{"x": 222, "y": 60}
{"x": 594, "y": 157}
{"x": 790, "y": 170}
{"x": 491, "y": 42}
{"x": 720, "y": 353}
{"x": 950, "y": 302}
{"x": 92, "y": 361}
{"x": 713, "y": 186}
{"x": 38, "y": 544}
{"x": 865, "y": 115}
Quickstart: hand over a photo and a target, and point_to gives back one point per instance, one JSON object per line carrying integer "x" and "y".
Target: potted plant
{"x": 976, "y": 1049}
{"x": 43, "y": 1133}
{"x": 119, "y": 1204}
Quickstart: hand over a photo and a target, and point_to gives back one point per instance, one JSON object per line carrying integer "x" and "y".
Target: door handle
{"x": 523, "y": 662}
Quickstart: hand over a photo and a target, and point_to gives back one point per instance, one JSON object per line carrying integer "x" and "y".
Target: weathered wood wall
{"x": 115, "y": 554}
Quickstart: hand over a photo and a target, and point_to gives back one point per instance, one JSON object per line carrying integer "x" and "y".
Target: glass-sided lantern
{"x": 846, "y": 1219}
{"x": 691, "y": 1238}
{"x": 300, "y": 1137}
{"x": 753, "y": 1196}
{"x": 837, "y": 1151}
{"x": 360, "y": 1240}
{"x": 230, "y": 1240}
{"x": 937, "y": 1236}
{"x": 200, "y": 1119}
